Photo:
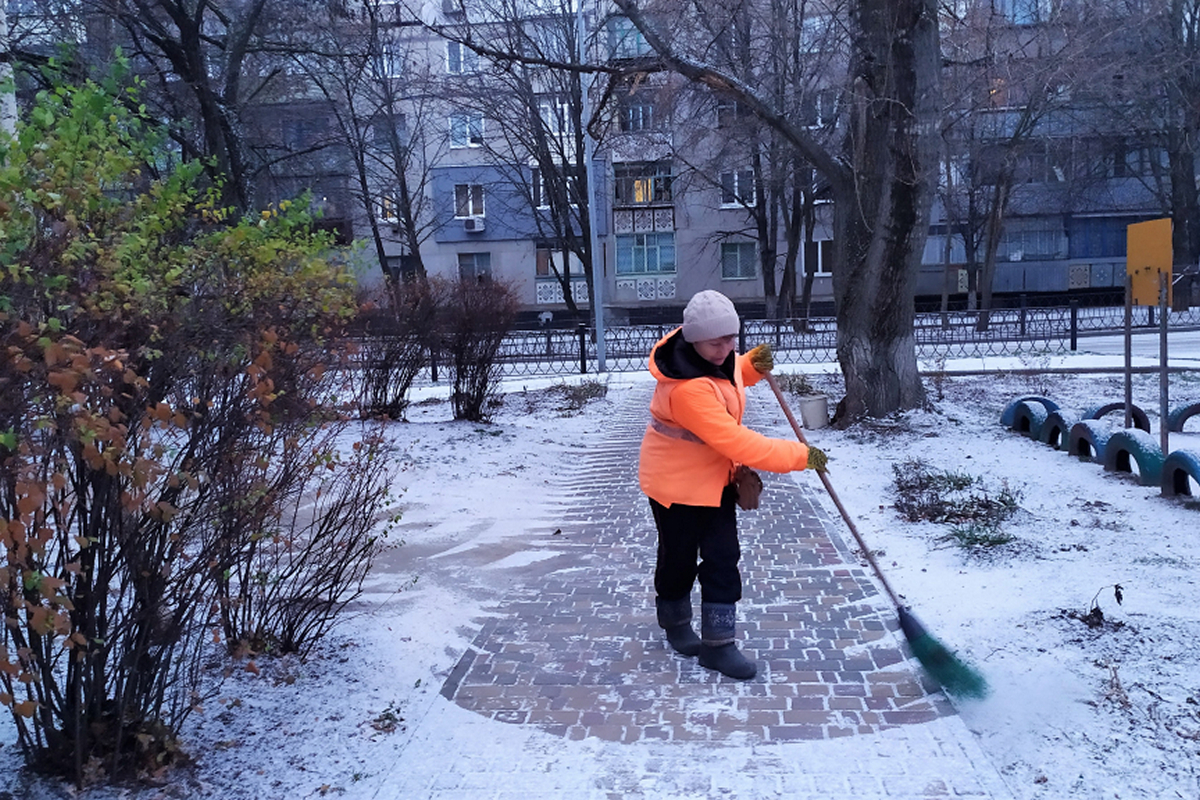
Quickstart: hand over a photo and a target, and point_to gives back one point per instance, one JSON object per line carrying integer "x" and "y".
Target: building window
{"x": 636, "y": 113}
{"x": 466, "y": 130}
{"x": 642, "y": 182}
{"x": 537, "y": 189}
{"x": 555, "y": 114}
{"x": 738, "y": 260}
{"x": 391, "y": 60}
{"x": 737, "y": 188}
{"x": 468, "y": 200}
{"x": 474, "y": 266}
{"x": 543, "y": 183}
{"x": 819, "y": 108}
{"x": 305, "y": 132}
{"x": 625, "y": 40}
{"x": 460, "y": 59}
{"x": 818, "y": 254}
{"x": 641, "y": 253}
{"x": 1098, "y": 237}
{"x": 384, "y": 128}
{"x": 387, "y": 209}
{"x": 731, "y": 112}
{"x": 1032, "y": 239}
{"x": 553, "y": 262}
{"x": 1023, "y": 12}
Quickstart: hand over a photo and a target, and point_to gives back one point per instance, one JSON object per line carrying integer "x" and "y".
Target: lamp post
{"x": 589, "y": 156}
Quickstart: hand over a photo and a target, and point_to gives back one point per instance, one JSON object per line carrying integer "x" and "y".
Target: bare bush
{"x": 398, "y": 336}
{"x": 476, "y": 317}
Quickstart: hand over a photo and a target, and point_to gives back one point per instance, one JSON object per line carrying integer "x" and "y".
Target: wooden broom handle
{"x": 837, "y": 501}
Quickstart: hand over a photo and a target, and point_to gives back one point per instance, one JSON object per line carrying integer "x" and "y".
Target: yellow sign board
{"x": 1147, "y": 256}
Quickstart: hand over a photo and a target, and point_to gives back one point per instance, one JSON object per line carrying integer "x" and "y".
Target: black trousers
{"x": 698, "y": 541}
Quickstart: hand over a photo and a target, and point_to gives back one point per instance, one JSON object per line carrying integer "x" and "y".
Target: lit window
{"x": 387, "y": 208}
{"x": 642, "y": 182}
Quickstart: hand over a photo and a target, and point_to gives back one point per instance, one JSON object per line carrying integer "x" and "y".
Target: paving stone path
{"x": 578, "y": 654}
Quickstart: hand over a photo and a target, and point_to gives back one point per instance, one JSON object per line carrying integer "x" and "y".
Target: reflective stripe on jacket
{"x": 696, "y": 437}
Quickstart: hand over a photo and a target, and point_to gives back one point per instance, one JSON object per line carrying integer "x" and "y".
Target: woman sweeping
{"x": 690, "y": 455}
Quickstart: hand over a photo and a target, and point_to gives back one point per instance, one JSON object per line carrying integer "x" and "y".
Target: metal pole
{"x": 1074, "y": 325}
{"x": 1163, "y": 375}
{"x": 1128, "y": 350}
{"x": 589, "y": 160}
{"x": 582, "y": 349}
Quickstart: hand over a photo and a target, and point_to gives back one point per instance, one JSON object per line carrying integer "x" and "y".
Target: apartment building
{"x": 449, "y": 160}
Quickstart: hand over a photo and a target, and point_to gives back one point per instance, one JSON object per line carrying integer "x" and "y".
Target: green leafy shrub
{"x": 159, "y": 364}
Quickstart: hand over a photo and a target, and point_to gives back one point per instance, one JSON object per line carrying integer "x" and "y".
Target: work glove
{"x": 817, "y": 459}
{"x": 761, "y": 358}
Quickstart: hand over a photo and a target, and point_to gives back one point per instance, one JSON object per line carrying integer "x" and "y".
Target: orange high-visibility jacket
{"x": 695, "y": 438}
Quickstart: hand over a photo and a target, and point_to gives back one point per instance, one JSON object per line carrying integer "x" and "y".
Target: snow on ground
{"x": 1076, "y": 712}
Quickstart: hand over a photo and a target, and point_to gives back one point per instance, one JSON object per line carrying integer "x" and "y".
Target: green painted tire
{"x": 1132, "y": 445}
{"x": 1140, "y": 420}
{"x": 1181, "y": 415}
{"x": 1177, "y": 469}
{"x": 1056, "y": 430}
{"x": 1006, "y": 416}
{"x": 1088, "y": 440}
{"x": 1029, "y": 417}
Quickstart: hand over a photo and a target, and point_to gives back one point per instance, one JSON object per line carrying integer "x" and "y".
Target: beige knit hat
{"x": 709, "y": 315}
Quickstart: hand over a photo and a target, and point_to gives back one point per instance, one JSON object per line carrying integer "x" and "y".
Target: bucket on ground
{"x": 814, "y": 411}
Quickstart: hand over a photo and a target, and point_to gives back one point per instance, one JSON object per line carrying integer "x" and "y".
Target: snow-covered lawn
{"x": 1076, "y": 711}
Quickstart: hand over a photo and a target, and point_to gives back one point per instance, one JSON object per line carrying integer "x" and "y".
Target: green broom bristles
{"x": 956, "y": 677}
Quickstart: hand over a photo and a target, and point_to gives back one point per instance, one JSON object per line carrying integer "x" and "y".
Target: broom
{"x": 942, "y": 665}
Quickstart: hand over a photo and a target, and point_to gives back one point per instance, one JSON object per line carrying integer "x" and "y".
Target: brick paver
{"x": 579, "y": 655}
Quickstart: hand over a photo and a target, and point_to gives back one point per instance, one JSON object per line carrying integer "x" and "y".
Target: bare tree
{"x": 881, "y": 182}
{"x": 198, "y": 53}
{"x": 1004, "y": 82}
{"x": 379, "y": 101}
{"x": 521, "y": 67}
{"x": 1145, "y": 89}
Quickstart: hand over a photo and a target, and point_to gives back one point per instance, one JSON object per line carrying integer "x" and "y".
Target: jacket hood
{"x": 674, "y": 358}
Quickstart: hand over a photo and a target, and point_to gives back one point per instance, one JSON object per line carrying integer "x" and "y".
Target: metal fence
{"x": 1010, "y": 331}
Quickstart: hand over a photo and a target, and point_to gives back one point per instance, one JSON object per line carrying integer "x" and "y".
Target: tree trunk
{"x": 995, "y": 227}
{"x": 764, "y": 216}
{"x": 881, "y": 214}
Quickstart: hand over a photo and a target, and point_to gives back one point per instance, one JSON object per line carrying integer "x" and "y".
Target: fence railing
{"x": 957, "y": 334}
{"x": 1051, "y": 330}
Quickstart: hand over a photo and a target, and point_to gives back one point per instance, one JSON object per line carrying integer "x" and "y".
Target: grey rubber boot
{"x": 675, "y": 617}
{"x": 718, "y": 624}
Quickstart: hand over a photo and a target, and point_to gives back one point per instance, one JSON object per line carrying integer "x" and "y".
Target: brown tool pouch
{"x": 748, "y": 486}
